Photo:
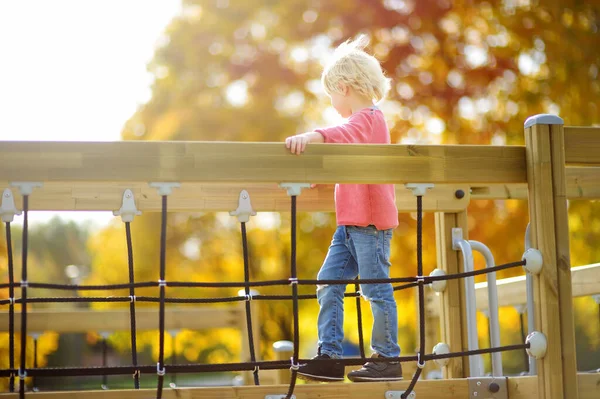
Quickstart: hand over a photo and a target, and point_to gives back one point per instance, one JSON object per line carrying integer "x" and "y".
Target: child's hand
{"x": 297, "y": 144}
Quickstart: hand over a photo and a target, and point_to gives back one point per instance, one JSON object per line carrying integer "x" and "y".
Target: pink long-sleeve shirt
{"x": 363, "y": 204}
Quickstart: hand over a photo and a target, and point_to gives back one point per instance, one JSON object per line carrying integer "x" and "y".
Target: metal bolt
{"x": 128, "y": 195}
{"x": 478, "y": 383}
{"x": 7, "y": 195}
{"x": 459, "y": 194}
{"x": 474, "y": 393}
{"x": 494, "y": 387}
{"x": 244, "y": 196}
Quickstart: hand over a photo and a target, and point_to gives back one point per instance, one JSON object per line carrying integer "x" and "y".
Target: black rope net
{"x": 160, "y": 368}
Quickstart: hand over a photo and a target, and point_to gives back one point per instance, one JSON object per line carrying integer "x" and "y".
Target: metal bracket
{"x": 279, "y": 397}
{"x": 8, "y": 210}
{"x": 488, "y": 387}
{"x": 418, "y": 189}
{"x": 165, "y": 188}
{"x": 294, "y": 188}
{"x": 128, "y": 209}
{"x": 457, "y": 235}
{"x": 398, "y": 395}
{"x": 244, "y": 210}
{"x": 26, "y": 187}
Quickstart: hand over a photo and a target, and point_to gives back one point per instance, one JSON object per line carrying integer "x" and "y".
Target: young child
{"x": 366, "y": 215}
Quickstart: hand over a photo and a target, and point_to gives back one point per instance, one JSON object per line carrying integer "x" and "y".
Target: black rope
{"x": 525, "y": 356}
{"x": 247, "y": 366}
{"x": 160, "y": 368}
{"x": 35, "y": 361}
{"x": 361, "y": 341}
{"x": 420, "y": 359}
{"x": 426, "y": 280}
{"x": 248, "y": 298}
{"x": 293, "y": 280}
{"x": 23, "y": 366}
{"x": 11, "y": 308}
{"x": 132, "y": 317}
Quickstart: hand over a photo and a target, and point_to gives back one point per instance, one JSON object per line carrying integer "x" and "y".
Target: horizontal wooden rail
{"x": 194, "y": 197}
{"x": 145, "y": 161}
{"x": 512, "y": 291}
{"x": 582, "y": 145}
{"x": 78, "y": 321}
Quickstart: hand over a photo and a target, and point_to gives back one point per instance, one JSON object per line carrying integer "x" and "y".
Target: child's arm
{"x": 297, "y": 144}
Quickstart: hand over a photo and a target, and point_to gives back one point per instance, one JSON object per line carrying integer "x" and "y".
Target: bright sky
{"x": 75, "y": 70}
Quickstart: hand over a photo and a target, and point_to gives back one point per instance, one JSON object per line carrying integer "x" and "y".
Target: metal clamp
{"x": 419, "y": 189}
{"x": 159, "y": 371}
{"x": 165, "y": 188}
{"x": 400, "y": 395}
{"x": 22, "y": 374}
{"x": 293, "y": 280}
{"x": 132, "y": 298}
{"x": 488, "y": 387}
{"x": 244, "y": 209}
{"x": 162, "y": 283}
{"x": 419, "y": 363}
{"x": 128, "y": 209}
{"x": 26, "y": 187}
{"x": 8, "y": 210}
{"x": 294, "y": 189}
{"x": 294, "y": 366}
{"x": 24, "y": 284}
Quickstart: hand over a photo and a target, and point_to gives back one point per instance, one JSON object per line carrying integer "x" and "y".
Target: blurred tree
{"x": 464, "y": 72}
{"x": 53, "y": 246}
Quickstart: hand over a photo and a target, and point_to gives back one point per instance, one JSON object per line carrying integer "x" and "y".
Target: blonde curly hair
{"x": 352, "y": 66}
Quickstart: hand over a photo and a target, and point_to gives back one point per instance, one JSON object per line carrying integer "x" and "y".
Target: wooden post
{"x": 453, "y": 305}
{"x": 283, "y": 351}
{"x": 545, "y": 152}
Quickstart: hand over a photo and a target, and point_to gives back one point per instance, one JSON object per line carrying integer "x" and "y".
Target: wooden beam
{"x": 583, "y": 182}
{"x": 195, "y": 197}
{"x": 146, "y": 161}
{"x": 518, "y": 388}
{"x": 549, "y": 222}
{"x": 452, "y": 316}
{"x": 512, "y": 290}
{"x": 73, "y": 321}
{"x": 582, "y": 145}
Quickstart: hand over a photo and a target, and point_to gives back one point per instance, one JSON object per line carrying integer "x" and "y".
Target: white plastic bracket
{"x": 294, "y": 188}
{"x": 244, "y": 209}
{"x": 457, "y": 236}
{"x": 279, "y": 397}
{"x": 419, "y": 189}
{"x": 596, "y": 298}
{"x": 165, "y": 188}
{"x": 128, "y": 209}
{"x": 26, "y": 187}
{"x": 520, "y": 308}
{"x": 488, "y": 387}
{"x": 8, "y": 209}
{"x": 398, "y": 395}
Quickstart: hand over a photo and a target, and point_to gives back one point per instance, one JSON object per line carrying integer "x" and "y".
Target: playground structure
{"x": 556, "y": 163}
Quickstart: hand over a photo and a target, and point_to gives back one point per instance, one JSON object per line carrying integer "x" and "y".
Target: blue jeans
{"x": 366, "y": 251}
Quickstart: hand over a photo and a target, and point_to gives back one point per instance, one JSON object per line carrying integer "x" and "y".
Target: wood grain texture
{"x": 145, "y": 161}
{"x": 582, "y": 145}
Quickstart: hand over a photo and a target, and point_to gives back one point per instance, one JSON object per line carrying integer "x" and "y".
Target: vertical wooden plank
{"x": 563, "y": 261}
{"x": 452, "y": 306}
{"x": 548, "y": 214}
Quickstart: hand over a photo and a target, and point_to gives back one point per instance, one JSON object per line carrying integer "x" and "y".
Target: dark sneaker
{"x": 377, "y": 371}
{"x": 322, "y": 371}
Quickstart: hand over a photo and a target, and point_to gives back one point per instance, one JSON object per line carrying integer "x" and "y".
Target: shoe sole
{"x": 320, "y": 378}
{"x": 371, "y": 379}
